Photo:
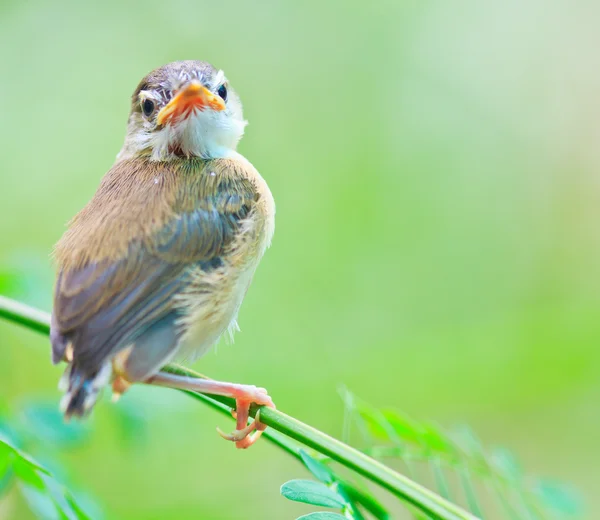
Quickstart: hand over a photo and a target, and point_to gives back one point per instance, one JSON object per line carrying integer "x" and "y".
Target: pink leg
{"x": 244, "y": 396}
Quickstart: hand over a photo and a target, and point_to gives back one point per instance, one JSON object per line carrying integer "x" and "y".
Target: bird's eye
{"x": 148, "y": 107}
{"x": 222, "y": 91}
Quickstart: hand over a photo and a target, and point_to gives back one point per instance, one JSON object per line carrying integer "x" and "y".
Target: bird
{"x": 155, "y": 267}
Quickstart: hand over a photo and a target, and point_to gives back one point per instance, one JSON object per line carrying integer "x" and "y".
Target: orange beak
{"x": 193, "y": 96}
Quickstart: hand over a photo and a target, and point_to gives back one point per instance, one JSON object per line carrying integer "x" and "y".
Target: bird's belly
{"x": 211, "y": 312}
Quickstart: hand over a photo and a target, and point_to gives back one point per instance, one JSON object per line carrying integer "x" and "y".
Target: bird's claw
{"x": 243, "y": 436}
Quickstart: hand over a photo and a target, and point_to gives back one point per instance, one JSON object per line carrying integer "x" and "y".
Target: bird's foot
{"x": 245, "y": 434}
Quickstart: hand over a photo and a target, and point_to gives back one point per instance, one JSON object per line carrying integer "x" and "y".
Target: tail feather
{"x": 82, "y": 389}
{"x": 81, "y": 386}
{"x": 83, "y": 380}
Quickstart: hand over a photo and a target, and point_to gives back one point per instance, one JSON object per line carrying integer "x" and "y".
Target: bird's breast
{"x": 213, "y": 298}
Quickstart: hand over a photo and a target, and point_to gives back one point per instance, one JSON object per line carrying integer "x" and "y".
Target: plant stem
{"x": 409, "y": 491}
{"x": 293, "y": 449}
{"x": 24, "y": 315}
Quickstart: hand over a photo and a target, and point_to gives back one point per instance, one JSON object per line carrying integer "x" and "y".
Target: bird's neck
{"x": 173, "y": 153}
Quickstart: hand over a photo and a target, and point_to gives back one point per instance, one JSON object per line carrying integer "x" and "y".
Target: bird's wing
{"x": 102, "y": 306}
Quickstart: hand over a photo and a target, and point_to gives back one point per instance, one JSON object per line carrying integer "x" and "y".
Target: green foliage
{"x": 458, "y": 464}
{"x": 333, "y": 491}
{"x": 386, "y": 433}
{"x": 318, "y": 469}
{"x": 353, "y": 498}
{"x": 47, "y": 498}
{"x": 39, "y": 426}
{"x": 311, "y": 492}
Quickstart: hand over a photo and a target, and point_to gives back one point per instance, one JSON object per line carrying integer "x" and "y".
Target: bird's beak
{"x": 193, "y": 96}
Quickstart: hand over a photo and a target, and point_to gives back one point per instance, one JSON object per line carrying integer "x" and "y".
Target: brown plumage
{"x": 137, "y": 198}
{"x": 158, "y": 262}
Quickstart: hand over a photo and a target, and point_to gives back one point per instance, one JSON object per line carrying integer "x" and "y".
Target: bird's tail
{"x": 81, "y": 389}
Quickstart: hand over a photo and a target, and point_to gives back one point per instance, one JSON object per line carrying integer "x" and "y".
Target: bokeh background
{"x": 436, "y": 171}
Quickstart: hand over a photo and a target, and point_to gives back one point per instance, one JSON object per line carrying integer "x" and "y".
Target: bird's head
{"x": 183, "y": 109}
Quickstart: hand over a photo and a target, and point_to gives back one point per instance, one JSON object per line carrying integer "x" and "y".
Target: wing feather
{"x": 101, "y": 307}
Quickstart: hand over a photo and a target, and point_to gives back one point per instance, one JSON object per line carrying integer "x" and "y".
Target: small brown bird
{"x": 157, "y": 264}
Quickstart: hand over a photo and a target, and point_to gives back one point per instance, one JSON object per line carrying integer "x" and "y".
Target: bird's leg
{"x": 244, "y": 396}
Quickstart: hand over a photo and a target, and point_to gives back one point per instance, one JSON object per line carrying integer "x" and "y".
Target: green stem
{"x": 24, "y": 315}
{"x": 409, "y": 491}
{"x": 293, "y": 449}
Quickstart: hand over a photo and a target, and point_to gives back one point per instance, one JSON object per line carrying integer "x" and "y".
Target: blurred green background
{"x": 436, "y": 171}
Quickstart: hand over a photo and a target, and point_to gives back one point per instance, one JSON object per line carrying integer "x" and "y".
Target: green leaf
{"x": 6, "y": 470}
{"x": 366, "y": 500}
{"x": 505, "y": 503}
{"x": 322, "y": 515}
{"x": 351, "y": 509}
{"x": 46, "y": 423}
{"x": 407, "y": 429}
{"x": 473, "y": 452}
{"x": 440, "y": 478}
{"x": 47, "y": 498}
{"x": 27, "y": 471}
{"x": 5, "y": 481}
{"x": 349, "y": 494}
{"x": 437, "y": 441}
{"x": 372, "y": 420}
{"x": 311, "y": 492}
{"x": 63, "y": 499}
{"x": 33, "y": 489}
{"x": 351, "y": 412}
{"x": 24, "y": 464}
{"x": 471, "y": 496}
{"x": 507, "y": 463}
{"x": 84, "y": 506}
{"x": 317, "y": 468}
{"x": 558, "y": 498}
{"x": 6, "y": 452}
{"x": 39, "y": 500}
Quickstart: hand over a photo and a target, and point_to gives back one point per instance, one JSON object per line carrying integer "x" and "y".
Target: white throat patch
{"x": 205, "y": 133}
